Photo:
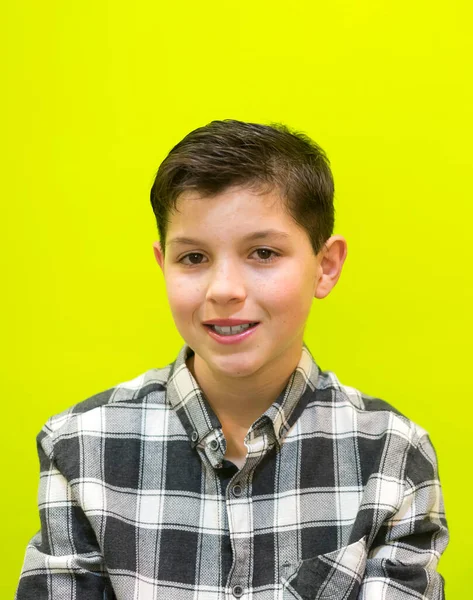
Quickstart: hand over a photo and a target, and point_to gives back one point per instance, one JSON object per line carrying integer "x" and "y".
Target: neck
{"x": 239, "y": 402}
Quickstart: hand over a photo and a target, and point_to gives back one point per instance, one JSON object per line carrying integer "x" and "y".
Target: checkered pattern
{"x": 339, "y": 498}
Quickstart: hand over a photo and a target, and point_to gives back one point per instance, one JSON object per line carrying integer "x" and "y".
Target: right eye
{"x": 190, "y": 254}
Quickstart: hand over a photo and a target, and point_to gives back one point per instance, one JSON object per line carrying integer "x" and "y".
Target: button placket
{"x": 240, "y": 521}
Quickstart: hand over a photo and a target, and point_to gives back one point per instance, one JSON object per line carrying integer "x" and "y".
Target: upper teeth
{"x": 231, "y": 330}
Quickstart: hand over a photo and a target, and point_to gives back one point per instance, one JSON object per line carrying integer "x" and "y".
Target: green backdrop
{"x": 96, "y": 93}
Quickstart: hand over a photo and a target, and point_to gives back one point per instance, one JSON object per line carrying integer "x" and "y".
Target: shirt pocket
{"x": 336, "y": 575}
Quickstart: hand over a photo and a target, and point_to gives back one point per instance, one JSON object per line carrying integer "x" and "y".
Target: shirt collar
{"x": 199, "y": 420}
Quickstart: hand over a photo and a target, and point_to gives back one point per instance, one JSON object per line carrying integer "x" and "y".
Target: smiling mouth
{"x": 232, "y": 330}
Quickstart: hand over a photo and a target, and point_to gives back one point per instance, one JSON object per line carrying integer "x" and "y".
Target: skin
{"x": 233, "y": 278}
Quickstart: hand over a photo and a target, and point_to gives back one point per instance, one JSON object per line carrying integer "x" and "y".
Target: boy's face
{"x": 228, "y": 278}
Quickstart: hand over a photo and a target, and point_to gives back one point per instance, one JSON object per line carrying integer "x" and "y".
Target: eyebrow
{"x": 256, "y": 235}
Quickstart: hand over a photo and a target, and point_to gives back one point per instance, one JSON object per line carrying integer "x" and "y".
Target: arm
{"x": 403, "y": 558}
{"x": 63, "y": 559}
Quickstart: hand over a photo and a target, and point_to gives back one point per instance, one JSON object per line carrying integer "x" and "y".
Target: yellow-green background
{"x": 94, "y": 95}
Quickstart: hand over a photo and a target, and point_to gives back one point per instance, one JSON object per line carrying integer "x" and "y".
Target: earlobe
{"x": 323, "y": 288}
{"x": 331, "y": 265}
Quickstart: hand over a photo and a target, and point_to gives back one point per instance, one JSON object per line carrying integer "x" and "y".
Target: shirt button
{"x": 195, "y": 436}
{"x": 237, "y": 492}
{"x": 214, "y": 444}
{"x": 237, "y": 591}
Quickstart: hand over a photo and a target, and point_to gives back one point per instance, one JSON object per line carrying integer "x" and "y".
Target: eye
{"x": 269, "y": 259}
{"x": 272, "y": 253}
{"x": 187, "y": 255}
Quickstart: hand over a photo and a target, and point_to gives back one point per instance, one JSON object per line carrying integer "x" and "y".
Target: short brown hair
{"x": 229, "y": 153}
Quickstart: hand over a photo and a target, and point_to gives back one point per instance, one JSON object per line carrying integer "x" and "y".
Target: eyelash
{"x": 263, "y": 261}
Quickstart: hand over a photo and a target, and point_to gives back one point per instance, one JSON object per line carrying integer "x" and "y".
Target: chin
{"x": 235, "y": 366}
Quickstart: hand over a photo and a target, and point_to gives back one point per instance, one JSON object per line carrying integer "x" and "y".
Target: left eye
{"x": 269, "y": 259}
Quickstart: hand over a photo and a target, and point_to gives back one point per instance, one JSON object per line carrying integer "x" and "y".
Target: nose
{"x": 226, "y": 282}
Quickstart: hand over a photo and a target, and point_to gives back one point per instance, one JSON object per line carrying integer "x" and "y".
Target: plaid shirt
{"x": 339, "y": 498}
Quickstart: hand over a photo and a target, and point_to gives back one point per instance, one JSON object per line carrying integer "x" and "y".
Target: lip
{"x": 228, "y": 322}
{"x": 231, "y": 339}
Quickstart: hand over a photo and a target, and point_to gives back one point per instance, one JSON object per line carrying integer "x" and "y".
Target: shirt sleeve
{"x": 63, "y": 559}
{"x": 403, "y": 559}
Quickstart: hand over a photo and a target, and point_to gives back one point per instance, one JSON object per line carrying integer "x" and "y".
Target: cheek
{"x": 181, "y": 295}
{"x": 292, "y": 289}
{"x": 290, "y": 296}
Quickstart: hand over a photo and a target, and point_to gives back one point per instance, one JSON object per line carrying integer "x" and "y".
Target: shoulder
{"x": 369, "y": 415}
{"x": 117, "y": 402}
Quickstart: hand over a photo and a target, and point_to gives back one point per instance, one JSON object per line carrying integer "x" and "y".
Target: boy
{"x": 242, "y": 469}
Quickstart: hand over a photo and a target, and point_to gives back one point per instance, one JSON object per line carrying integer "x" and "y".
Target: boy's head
{"x": 221, "y": 154}
{"x": 218, "y": 186}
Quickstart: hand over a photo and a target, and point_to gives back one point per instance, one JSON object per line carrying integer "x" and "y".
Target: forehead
{"x": 236, "y": 215}
{"x": 239, "y": 205}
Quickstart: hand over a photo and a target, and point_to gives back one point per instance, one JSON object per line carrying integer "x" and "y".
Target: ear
{"x": 331, "y": 260}
{"x": 158, "y": 254}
